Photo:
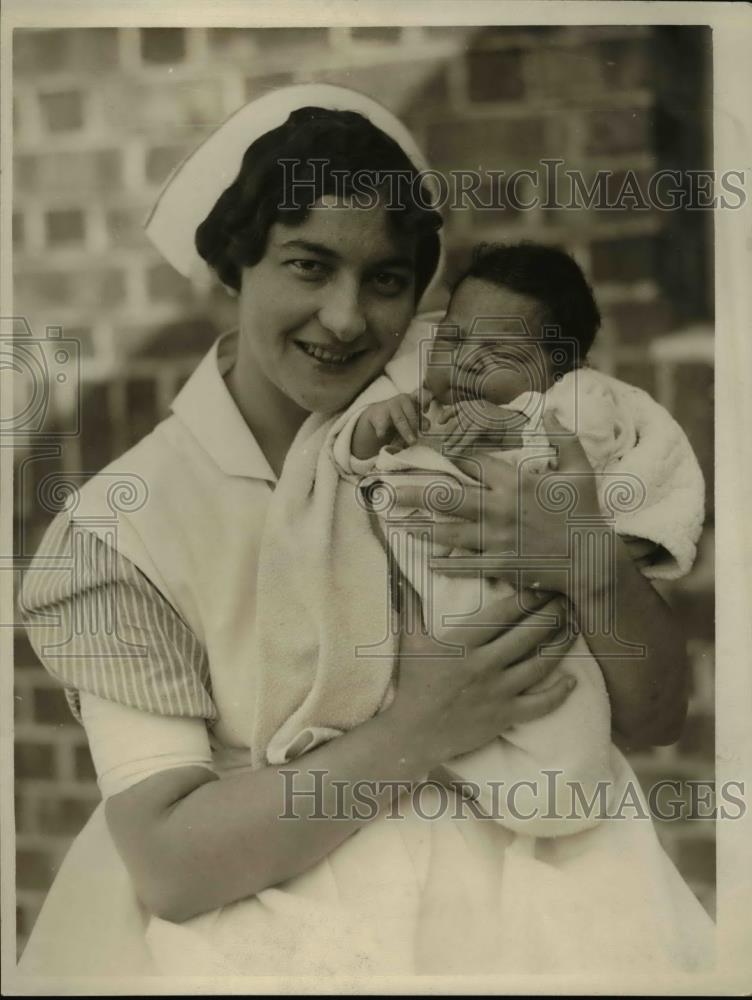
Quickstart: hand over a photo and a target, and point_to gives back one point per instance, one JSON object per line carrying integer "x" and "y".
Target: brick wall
{"x": 101, "y": 116}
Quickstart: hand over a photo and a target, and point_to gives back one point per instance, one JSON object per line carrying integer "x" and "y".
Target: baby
{"x": 511, "y": 345}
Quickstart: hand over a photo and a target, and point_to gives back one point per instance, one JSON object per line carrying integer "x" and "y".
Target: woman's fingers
{"x": 456, "y": 498}
{"x": 527, "y": 707}
{"x": 496, "y": 621}
{"x": 528, "y": 672}
{"x": 517, "y": 647}
{"x": 457, "y": 535}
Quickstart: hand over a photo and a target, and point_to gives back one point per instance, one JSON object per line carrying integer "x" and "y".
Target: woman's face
{"x": 327, "y": 305}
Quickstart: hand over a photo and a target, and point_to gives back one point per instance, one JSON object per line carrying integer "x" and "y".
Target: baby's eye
{"x": 390, "y": 283}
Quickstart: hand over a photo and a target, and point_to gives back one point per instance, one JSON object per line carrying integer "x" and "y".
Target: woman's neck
{"x": 272, "y": 416}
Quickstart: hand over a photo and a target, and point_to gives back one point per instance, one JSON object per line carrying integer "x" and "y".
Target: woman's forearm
{"x": 193, "y": 843}
{"x": 634, "y": 637}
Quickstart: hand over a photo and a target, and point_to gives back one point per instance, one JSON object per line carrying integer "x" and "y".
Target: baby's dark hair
{"x": 315, "y": 152}
{"x": 551, "y": 277}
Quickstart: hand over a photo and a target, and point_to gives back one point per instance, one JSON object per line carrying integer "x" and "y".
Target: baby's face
{"x": 490, "y": 336}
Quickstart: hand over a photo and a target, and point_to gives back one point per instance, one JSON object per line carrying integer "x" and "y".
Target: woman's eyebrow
{"x": 309, "y": 247}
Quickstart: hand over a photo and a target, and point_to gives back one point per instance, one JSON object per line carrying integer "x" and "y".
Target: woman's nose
{"x": 342, "y": 313}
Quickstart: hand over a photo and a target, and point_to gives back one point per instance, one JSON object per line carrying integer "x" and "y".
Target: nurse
{"x": 327, "y": 284}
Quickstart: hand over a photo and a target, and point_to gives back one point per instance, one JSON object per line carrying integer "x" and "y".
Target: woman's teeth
{"x": 328, "y": 357}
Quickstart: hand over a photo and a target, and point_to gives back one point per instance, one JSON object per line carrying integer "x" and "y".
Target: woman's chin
{"x": 329, "y": 388}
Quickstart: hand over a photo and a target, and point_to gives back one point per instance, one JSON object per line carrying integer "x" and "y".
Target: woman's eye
{"x": 308, "y": 269}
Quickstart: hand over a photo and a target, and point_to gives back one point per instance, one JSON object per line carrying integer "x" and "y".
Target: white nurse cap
{"x": 195, "y": 185}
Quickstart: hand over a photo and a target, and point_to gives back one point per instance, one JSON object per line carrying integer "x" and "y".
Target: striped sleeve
{"x": 98, "y": 624}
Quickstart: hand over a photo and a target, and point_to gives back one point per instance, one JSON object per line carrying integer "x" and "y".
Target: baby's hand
{"x": 396, "y": 415}
{"x": 473, "y": 420}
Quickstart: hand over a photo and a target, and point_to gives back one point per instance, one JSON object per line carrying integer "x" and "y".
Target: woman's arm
{"x": 192, "y": 843}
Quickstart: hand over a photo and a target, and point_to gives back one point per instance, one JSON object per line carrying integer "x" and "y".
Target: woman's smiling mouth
{"x": 326, "y": 356}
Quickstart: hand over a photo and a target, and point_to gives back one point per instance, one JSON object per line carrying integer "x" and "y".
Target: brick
{"x": 96, "y": 49}
{"x": 34, "y": 760}
{"x": 166, "y": 285}
{"x": 85, "y": 290}
{"x": 222, "y": 39}
{"x": 163, "y": 45}
{"x": 63, "y": 816}
{"x": 186, "y": 338}
{"x": 494, "y": 76}
{"x": 255, "y": 86}
{"x": 35, "y": 869}
{"x": 624, "y": 260}
{"x": 84, "y": 336}
{"x": 141, "y": 405}
{"x": 50, "y": 707}
{"x": 282, "y": 38}
{"x": 492, "y": 36}
{"x": 84, "y": 768}
{"x": 639, "y": 322}
{"x": 81, "y": 49}
{"x": 62, "y": 111}
{"x": 161, "y": 160}
{"x": 380, "y": 34}
{"x": 98, "y": 434}
{"x": 433, "y": 93}
{"x": 627, "y": 63}
{"x": 85, "y": 173}
{"x": 43, "y": 289}
{"x": 694, "y": 410}
{"x": 165, "y": 111}
{"x": 619, "y": 130}
{"x": 561, "y": 73}
{"x": 36, "y": 52}
{"x": 125, "y": 227}
{"x": 65, "y": 226}
{"x": 488, "y": 144}
{"x": 698, "y": 737}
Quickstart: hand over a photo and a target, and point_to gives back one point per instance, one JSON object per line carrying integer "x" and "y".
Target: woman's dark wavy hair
{"x": 551, "y": 277}
{"x": 235, "y": 232}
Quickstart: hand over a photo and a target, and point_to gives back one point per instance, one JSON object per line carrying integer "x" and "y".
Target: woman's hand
{"x": 529, "y": 528}
{"x": 454, "y": 704}
{"x": 525, "y": 520}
